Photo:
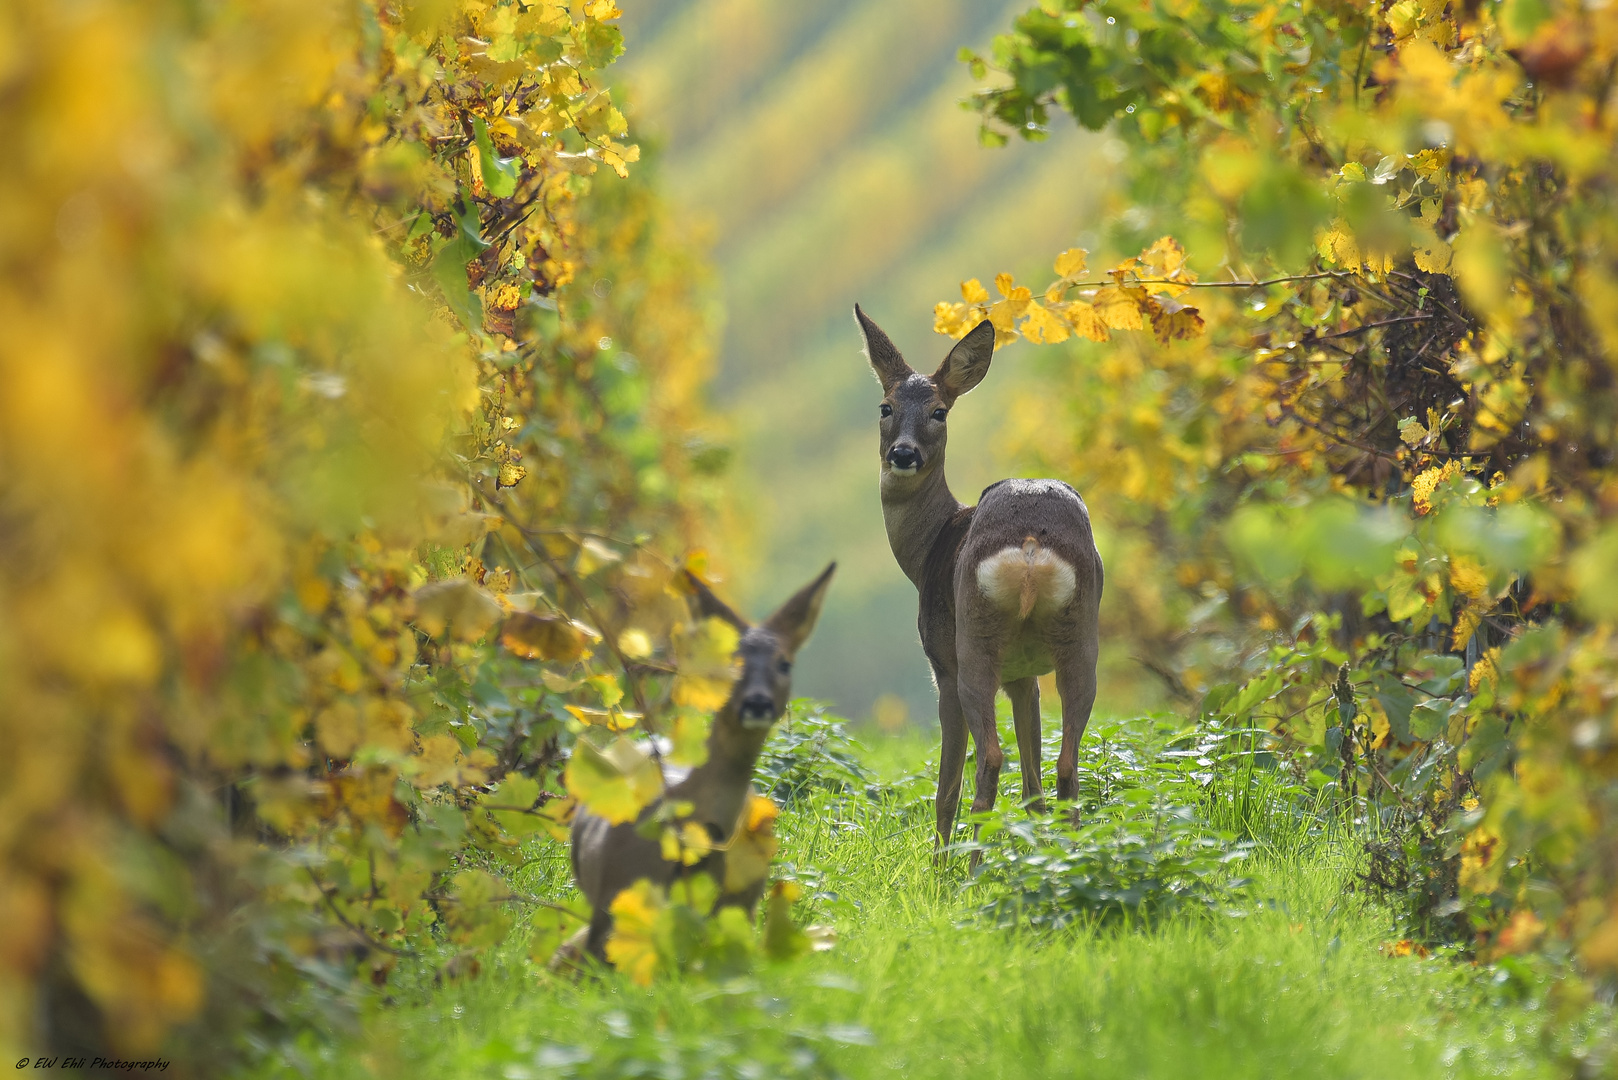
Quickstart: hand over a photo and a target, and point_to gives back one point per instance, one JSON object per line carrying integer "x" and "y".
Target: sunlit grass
{"x": 1299, "y": 984}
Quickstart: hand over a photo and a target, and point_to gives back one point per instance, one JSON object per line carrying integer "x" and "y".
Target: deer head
{"x": 766, "y": 651}
{"x": 915, "y": 407}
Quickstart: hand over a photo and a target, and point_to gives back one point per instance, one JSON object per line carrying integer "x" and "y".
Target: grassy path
{"x": 917, "y": 988}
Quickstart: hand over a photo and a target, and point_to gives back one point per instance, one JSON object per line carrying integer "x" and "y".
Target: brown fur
{"x": 974, "y": 644}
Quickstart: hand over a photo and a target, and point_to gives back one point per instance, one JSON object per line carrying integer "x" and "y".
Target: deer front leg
{"x": 951, "y": 757}
{"x": 1076, "y": 684}
{"x": 1024, "y": 695}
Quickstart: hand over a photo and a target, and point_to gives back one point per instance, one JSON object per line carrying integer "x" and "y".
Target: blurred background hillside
{"x": 822, "y": 148}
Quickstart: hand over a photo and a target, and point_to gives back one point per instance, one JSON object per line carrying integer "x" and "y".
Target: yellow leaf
{"x": 338, "y": 728}
{"x": 1041, "y": 325}
{"x": 1086, "y": 321}
{"x": 616, "y": 783}
{"x": 1071, "y": 263}
{"x": 1165, "y": 258}
{"x": 510, "y": 473}
{"x": 949, "y": 318}
{"x": 611, "y": 719}
{"x": 632, "y": 948}
{"x": 1467, "y": 577}
{"x": 687, "y": 843}
{"x": 705, "y": 659}
{"x": 1432, "y": 256}
{"x": 635, "y": 643}
{"x": 1481, "y": 859}
{"x": 546, "y": 637}
{"x": 1118, "y": 310}
{"x": 1339, "y": 245}
{"x": 1005, "y": 284}
{"x": 747, "y": 860}
{"x": 458, "y": 603}
{"x": 1176, "y": 322}
{"x": 601, "y": 10}
{"x": 436, "y": 764}
{"x": 556, "y": 818}
{"x": 973, "y": 292}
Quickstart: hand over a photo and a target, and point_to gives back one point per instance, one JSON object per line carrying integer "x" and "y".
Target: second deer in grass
{"x": 1010, "y": 588}
{"x": 608, "y": 858}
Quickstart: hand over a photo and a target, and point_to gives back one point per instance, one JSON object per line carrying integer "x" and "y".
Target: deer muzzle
{"x": 904, "y": 459}
{"x": 757, "y": 710}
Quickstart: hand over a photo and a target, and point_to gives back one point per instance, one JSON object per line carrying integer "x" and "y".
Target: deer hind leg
{"x": 976, "y": 681}
{"x": 1076, "y": 685}
{"x": 951, "y": 756}
{"x": 1024, "y": 695}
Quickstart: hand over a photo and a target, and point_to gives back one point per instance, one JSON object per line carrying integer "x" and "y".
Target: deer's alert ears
{"x": 793, "y": 621}
{"x": 710, "y": 606}
{"x": 889, "y": 366}
{"x": 966, "y": 363}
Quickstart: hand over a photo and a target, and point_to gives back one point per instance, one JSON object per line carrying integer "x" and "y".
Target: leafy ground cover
{"x": 1286, "y": 967}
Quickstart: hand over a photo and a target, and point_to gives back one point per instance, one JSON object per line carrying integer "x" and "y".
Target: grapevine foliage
{"x": 347, "y": 409}
{"x": 1372, "y": 507}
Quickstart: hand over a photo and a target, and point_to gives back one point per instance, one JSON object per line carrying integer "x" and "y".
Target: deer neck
{"x": 718, "y": 788}
{"x": 915, "y": 514}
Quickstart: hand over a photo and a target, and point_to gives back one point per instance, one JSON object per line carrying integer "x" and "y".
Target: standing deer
{"x": 1010, "y": 588}
{"x": 607, "y": 858}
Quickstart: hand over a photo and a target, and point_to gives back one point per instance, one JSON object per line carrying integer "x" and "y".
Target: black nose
{"x": 758, "y": 707}
{"x": 904, "y": 457}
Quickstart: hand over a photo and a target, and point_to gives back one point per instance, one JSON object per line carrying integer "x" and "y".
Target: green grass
{"x": 917, "y": 986}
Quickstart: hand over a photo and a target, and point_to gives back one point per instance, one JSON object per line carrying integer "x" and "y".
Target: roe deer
{"x": 1010, "y": 589}
{"x": 607, "y": 858}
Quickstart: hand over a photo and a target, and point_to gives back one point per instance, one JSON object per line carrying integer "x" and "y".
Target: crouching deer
{"x": 608, "y": 858}
{"x": 1010, "y": 588}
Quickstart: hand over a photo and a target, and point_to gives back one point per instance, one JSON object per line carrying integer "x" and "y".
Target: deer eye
{"x": 887, "y": 410}
{"x": 784, "y": 666}
{"x": 940, "y": 414}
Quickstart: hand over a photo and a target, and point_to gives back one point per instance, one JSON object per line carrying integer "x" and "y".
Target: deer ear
{"x": 889, "y": 366}
{"x": 794, "y": 620}
{"x": 966, "y": 363}
{"x": 709, "y": 606}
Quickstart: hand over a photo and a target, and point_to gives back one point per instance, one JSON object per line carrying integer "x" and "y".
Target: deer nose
{"x": 904, "y": 458}
{"x": 757, "y": 706}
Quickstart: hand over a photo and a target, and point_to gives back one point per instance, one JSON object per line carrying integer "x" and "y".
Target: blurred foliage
{"x": 1373, "y": 508}
{"x": 345, "y": 410}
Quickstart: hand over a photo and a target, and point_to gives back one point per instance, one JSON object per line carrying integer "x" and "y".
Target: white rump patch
{"x": 1026, "y": 579}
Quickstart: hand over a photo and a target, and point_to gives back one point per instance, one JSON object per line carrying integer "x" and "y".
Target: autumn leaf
{"x": 547, "y": 637}
{"x": 633, "y": 947}
{"x": 705, "y": 659}
{"x": 747, "y": 860}
{"x": 1070, "y": 264}
{"x": 616, "y": 783}
{"x": 1043, "y": 326}
{"x": 685, "y": 843}
{"x": 1118, "y": 310}
{"x": 458, "y": 604}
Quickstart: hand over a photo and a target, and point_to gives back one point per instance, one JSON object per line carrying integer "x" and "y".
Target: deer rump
{"x": 1025, "y": 582}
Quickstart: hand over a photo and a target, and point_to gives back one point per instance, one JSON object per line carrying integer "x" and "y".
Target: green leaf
{"x": 500, "y": 175}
